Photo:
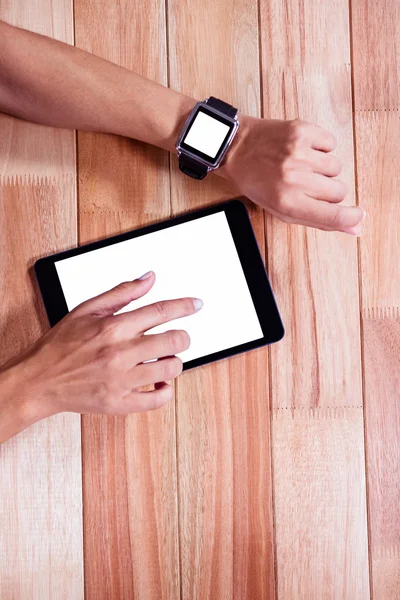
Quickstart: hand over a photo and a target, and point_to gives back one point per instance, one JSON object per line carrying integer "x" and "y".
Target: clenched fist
{"x": 287, "y": 168}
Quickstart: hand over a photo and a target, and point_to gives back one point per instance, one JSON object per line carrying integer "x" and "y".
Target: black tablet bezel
{"x": 249, "y": 256}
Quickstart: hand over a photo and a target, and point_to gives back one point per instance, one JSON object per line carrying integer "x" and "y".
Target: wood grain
{"x": 376, "y": 53}
{"x": 320, "y": 504}
{"x": 27, "y": 149}
{"x": 226, "y": 531}
{"x": 129, "y": 465}
{"x": 178, "y": 503}
{"x": 317, "y": 295}
{"x": 382, "y": 400}
{"x": 315, "y": 371}
{"x": 40, "y": 469}
{"x": 378, "y": 170}
{"x": 307, "y": 34}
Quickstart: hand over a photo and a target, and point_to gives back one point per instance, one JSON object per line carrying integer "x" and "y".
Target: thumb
{"x": 113, "y": 300}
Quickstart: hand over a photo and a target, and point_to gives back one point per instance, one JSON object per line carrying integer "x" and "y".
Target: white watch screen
{"x": 206, "y": 134}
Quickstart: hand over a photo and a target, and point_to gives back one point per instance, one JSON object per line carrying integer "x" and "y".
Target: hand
{"x": 92, "y": 360}
{"x": 287, "y": 168}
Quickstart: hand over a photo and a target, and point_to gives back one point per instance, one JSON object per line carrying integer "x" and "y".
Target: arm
{"x": 284, "y": 166}
{"x": 49, "y": 82}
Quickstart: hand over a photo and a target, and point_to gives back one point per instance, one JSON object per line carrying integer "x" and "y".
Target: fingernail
{"x": 146, "y": 275}
{"x": 197, "y": 303}
{"x": 357, "y": 230}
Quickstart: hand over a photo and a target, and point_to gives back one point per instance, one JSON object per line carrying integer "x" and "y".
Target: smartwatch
{"x": 206, "y": 136}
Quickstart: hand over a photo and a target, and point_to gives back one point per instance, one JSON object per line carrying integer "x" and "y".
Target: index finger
{"x": 322, "y": 139}
{"x": 147, "y": 317}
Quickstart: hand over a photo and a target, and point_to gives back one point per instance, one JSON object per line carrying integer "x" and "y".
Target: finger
{"x": 161, "y": 345}
{"x": 113, "y": 300}
{"x": 324, "y": 163}
{"x": 149, "y": 316}
{"x": 164, "y": 369}
{"x": 320, "y": 187}
{"x": 142, "y": 401}
{"x": 327, "y": 216}
{"x": 322, "y": 139}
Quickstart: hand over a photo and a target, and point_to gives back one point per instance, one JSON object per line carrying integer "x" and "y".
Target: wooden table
{"x": 274, "y": 474}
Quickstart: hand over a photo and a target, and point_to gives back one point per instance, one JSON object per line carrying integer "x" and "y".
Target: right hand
{"x": 92, "y": 361}
{"x": 287, "y": 168}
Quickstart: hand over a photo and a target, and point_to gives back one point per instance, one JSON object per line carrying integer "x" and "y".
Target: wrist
{"x": 20, "y": 407}
{"x": 227, "y": 168}
{"x": 178, "y": 113}
{"x": 156, "y": 119}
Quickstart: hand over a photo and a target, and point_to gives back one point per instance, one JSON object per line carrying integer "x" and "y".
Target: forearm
{"x": 45, "y": 81}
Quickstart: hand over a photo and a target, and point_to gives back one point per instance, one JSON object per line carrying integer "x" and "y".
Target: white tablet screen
{"x": 197, "y": 258}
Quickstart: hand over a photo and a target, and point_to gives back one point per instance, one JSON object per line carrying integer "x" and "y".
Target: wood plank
{"x": 26, "y": 148}
{"x": 316, "y": 370}
{"x": 226, "y": 529}
{"x": 41, "y": 17}
{"x": 308, "y": 34}
{"x": 40, "y": 469}
{"x": 320, "y": 306}
{"x": 376, "y": 53}
{"x": 378, "y": 168}
{"x": 382, "y": 398}
{"x": 129, "y": 465}
{"x": 318, "y": 458}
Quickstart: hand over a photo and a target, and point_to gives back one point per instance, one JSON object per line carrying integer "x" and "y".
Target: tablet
{"x": 210, "y": 254}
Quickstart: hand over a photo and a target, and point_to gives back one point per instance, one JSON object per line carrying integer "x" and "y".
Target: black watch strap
{"x": 224, "y": 107}
{"x": 191, "y": 167}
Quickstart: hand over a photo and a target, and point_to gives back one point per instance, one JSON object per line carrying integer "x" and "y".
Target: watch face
{"x": 207, "y": 135}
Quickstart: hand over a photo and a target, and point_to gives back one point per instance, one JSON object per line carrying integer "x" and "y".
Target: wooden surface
{"x": 129, "y": 465}
{"x": 377, "y": 128}
{"x": 274, "y": 474}
{"x": 317, "y": 426}
{"x": 40, "y": 469}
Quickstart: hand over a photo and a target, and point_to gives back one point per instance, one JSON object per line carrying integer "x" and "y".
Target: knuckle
{"x": 336, "y": 219}
{"x": 334, "y": 165}
{"x": 179, "y": 341}
{"x": 290, "y": 177}
{"x": 172, "y": 368}
{"x": 297, "y": 128}
{"x": 177, "y": 366}
{"x": 162, "y": 309}
{"x": 158, "y": 400}
{"x": 108, "y": 329}
{"x": 340, "y": 191}
{"x": 333, "y": 141}
{"x": 124, "y": 286}
{"x": 104, "y": 394}
{"x": 326, "y": 138}
{"x": 288, "y": 164}
{"x": 109, "y": 359}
